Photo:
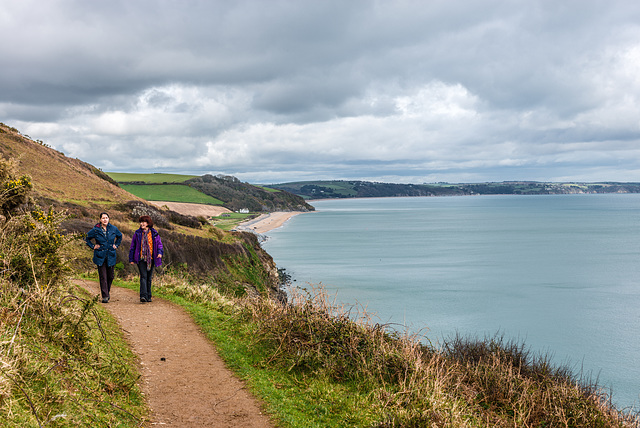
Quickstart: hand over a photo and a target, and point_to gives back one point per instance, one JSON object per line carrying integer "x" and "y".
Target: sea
{"x": 559, "y": 273}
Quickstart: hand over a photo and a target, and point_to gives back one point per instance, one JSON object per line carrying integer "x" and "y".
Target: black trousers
{"x": 106, "y": 274}
{"x": 145, "y": 280}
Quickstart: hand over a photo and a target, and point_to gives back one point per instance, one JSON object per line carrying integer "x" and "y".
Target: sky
{"x": 276, "y": 91}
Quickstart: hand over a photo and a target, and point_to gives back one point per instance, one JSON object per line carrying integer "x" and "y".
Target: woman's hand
{"x": 159, "y": 256}
{"x": 95, "y": 247}
{"x": 114, "y": 247}
{"x": 132, "y": 263}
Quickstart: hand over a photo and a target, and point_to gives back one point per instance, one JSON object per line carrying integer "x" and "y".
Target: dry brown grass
{"x": 491, "y": 382}
{"x": 56, "y": 175}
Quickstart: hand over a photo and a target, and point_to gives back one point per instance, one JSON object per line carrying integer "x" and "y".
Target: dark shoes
{"x": 143, "y": 300}
{"x": 105, "y": 300}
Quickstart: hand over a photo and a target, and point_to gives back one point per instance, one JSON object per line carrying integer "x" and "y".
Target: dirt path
{"x": 185, "y": 382}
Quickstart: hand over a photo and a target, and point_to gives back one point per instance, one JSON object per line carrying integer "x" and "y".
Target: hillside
{"x": 223, "y": 190}
{"x": 83, "y": 191}
{"x": 367, "y": 189}
{"x": 57, "y": 176}
{"x": 238, "y": 195}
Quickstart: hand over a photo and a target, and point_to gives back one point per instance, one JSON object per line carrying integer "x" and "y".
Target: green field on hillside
{"x": 170, "y": 193}
{"x": 125, "y": 177}
{"x": 269, "y": 189}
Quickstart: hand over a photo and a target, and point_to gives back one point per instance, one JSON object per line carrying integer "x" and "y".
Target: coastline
{"x": 261, "y": 224}
{"x": 192, "y": 209}
{"x": 267, "y": 222}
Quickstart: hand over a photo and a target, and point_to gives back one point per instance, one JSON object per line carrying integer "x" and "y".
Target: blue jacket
{"x": 136, "y": 242}
{"x": 106, "y": 240}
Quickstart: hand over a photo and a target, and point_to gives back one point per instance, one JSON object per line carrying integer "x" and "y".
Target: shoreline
{"x": 261, "y": 224}
{"x": 192, "y": 208}
{"x": 267, "y": 222}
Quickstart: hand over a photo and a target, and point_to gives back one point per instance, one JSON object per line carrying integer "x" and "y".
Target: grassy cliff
{"x": 58, "y": 177}
{"x": 83, "y": 191}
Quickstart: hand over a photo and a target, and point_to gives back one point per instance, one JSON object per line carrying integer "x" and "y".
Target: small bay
{"x": 559, "y": 272}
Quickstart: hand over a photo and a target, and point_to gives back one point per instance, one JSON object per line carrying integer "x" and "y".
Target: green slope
{"x": 155, "y": 178}
{"x": 170, "y": 193}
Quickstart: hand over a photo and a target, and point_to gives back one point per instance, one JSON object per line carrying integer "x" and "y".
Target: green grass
{"x": 155, "y": 178}
{"x": 170, "y": 193}
{"x": 71, "y": 366}
{"x": 231, "y": 220}
{"x": 269, "y": 189}
{"x": 295, "y": 400}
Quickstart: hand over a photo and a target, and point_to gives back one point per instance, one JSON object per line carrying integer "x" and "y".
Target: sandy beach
{"x": 262, "y": 224}
{"x": 266, "y": 222}
{"x": 192, "y": 209}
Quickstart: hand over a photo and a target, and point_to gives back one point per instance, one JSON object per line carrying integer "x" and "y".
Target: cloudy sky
{"x": 273, "y": 91}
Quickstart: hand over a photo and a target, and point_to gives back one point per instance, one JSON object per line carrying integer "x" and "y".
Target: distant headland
{"x": 366, "y": 189}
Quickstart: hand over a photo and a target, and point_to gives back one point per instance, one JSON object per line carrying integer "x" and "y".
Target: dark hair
{"x": 101, "y": 214}
{"x": 147, "y": 219}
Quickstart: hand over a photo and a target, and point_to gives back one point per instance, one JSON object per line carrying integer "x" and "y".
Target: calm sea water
{"x": 559, "y": 272}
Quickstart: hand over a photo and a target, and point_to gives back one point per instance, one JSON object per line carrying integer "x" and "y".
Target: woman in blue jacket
{"x": 106, "y": 239}
{"x": 146, "y": 252}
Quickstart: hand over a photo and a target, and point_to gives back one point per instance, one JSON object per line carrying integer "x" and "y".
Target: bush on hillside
{"x": 30, "y": 242}
{"x": 138, "y": 209}
{"x": 35, "y": 256}
{"x": 183, "y": 220}
{"x": 491, "y": 382}
{"x": 162, "y": 219}
{"x": 14, "y": 189}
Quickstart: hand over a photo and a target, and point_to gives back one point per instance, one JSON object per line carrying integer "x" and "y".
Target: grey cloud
{"x": 492, "y": 88}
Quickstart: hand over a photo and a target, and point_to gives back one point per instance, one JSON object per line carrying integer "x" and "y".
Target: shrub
{"x": 14, "y": 190}
{"x": 138, "y": 209}
{"x": 183, "y": 220}
{"x": 34, "y": 248}
{"x": 468, "y": 382}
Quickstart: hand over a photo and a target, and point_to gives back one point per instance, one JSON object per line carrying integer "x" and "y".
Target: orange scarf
{"x": 150, "y": 241}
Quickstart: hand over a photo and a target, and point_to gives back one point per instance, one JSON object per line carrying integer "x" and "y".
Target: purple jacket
{"x": 136, "y": 242}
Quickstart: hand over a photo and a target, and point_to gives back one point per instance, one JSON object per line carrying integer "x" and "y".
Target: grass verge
{"x": 313, "y": 365}
{"x": 230, "y": 221}
{"x": 64, "y": 362}
{"x": 295, "y": 399}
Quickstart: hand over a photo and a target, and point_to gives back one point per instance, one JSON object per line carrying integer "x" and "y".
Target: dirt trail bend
{"x": 185, "y": 382}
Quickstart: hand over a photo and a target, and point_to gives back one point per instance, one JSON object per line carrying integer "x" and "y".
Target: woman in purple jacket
{"x": 146, "y": 251}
